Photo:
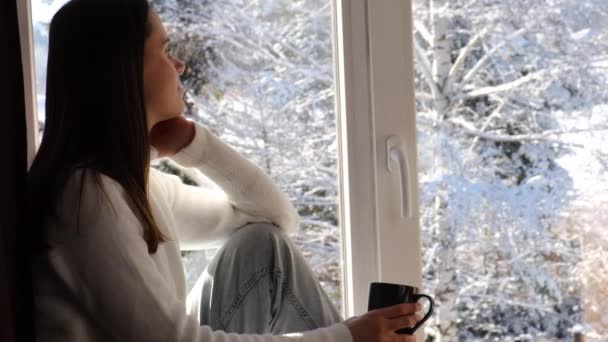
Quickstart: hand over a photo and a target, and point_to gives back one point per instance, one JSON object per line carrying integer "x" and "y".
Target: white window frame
{"x": 375, "y": 99}
{"x": 374, "y": 82}
{"x": 24, "y": 16}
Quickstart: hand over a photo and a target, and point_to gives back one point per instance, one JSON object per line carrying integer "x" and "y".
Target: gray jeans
{"x": 259, "y": 283}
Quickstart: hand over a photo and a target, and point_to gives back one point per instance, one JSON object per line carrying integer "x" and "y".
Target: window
{"x": 501, "y": 118}
{"x": 260, "y": 75}
{"x": 269, "y": 82}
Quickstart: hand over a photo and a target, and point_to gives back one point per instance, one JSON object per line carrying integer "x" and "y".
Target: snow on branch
{"x": 315, "y": 222}
{"x": 482, "y": 61}
{"x": 424, "y": 96}
{"x": 424, "y": 32}
{"x": 462, "y": 56}
{"x": 495, "y": 113}
{"x": 484, "y": 91}
{"x": 470, "y": 129}
{"x": 425, "y": 68}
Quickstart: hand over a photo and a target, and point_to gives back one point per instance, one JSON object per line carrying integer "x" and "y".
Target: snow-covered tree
{"x": 491, "y": 77}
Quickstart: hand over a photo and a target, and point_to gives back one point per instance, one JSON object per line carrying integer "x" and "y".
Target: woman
{"x": 107, "y": 264}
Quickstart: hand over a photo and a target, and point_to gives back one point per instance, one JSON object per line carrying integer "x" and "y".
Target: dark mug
{"x": 382, "y": 295}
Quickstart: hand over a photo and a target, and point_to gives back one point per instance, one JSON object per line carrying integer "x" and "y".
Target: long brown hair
{"x": 95, "y": 113}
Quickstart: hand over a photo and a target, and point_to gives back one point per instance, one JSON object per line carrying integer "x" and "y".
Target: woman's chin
{"x": 176, "y": 113}
{"x": 182, "y": 107}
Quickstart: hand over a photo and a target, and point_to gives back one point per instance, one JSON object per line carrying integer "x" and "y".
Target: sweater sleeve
{"x": 247, "y": 193}
{"x": 120, "y": 287}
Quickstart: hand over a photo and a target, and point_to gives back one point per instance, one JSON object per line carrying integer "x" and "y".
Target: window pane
{"x": 42, "y": 12}
{"x": 260, "y": 75}
{"x": 511, "y": 124}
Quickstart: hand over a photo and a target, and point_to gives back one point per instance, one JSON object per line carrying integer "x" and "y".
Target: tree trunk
{"x": 447, "y": 278}
{"x": 441, "y": 55}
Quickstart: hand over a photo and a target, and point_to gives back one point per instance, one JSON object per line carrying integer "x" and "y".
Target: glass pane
{"x": 511, "y": 120}
{"x": 260, "y": 75}
{"x": 42, "y": 12}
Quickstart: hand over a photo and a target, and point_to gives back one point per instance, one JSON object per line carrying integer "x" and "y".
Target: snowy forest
{"x": 512, "y": 130}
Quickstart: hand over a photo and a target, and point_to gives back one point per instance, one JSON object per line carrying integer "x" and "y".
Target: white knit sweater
{"x": 99, "y": 283}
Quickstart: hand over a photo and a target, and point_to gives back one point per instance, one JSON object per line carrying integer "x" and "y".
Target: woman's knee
{"x": 256, "y": 237}
{"x": 258, "y": 232}
{"x": 252, "y": 246}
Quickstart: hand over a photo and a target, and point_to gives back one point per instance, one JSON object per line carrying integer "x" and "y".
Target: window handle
{"x": 397, "y": 162}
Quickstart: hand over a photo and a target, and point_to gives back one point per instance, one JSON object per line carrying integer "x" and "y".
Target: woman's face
{"x": 163, "y": 93}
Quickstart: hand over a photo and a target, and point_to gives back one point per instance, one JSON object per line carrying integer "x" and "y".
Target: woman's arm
{"x": 118, "y": 283}
{"x": 248, "y": 193}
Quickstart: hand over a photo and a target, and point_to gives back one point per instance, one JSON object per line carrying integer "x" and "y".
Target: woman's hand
{"x": 380, "y": 325}
{"x": 170, "y": 136}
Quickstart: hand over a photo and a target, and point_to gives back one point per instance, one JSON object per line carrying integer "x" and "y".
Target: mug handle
{"x": 410, "y": 331}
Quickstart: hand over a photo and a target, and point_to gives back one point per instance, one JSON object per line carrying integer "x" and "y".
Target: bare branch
{"x": 470, "y": 129}
{"x": 495, "y": 113}
{"x": 425, "y": 68}
{"x": 424, "y": 32}
{"x": 462, "y": 56}
{"x": 475, "y": 69}
{"x": 484, "y": 91}
{"x": 424, "y": 96}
